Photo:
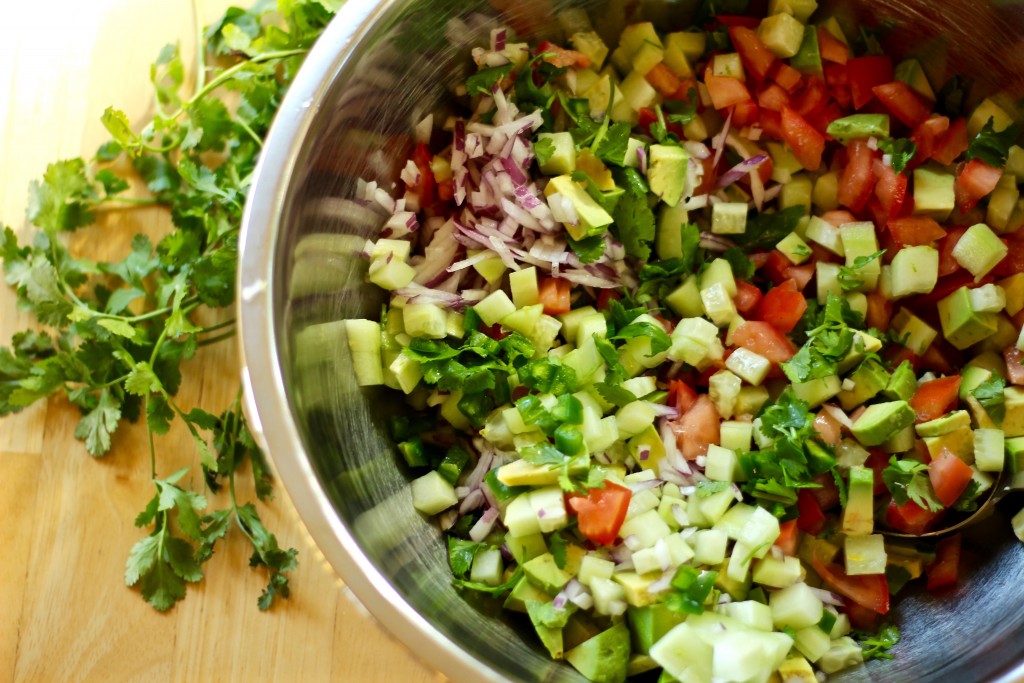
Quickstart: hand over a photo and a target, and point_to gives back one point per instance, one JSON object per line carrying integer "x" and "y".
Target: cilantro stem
{"x": 245, "y": 126}
{"x": 152, "y": 444}
{"x": 219, "y": 338}
{"x": 218, "y": 326}
{"x": 197, "y": 21}
{"x": 128, "y": 202}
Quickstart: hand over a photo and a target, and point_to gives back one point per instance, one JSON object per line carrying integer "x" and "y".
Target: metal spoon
{"x": 1007, "y": 482}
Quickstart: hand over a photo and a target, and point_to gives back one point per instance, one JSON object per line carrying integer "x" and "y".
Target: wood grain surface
{"x": 65, "y": 517}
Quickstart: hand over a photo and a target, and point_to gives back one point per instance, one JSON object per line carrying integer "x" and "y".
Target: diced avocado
{"x": 801, "y": 9}
{"x": 910, "y": 72}
{"x": 1002, "y": 204}
{"x": 933, "y": 193}
{"x": 666, "y": 173}
{"x": 902, "y": 383}
{"x": 859, "y": 240}
{"x": 605, "y": 657}
{"x": 669, "y": 241}
{"x": 563, "y": 159}
{"x": 869, "y": 378}
{"x": 816, "y": 391}
{"x": 843, "y": 653}
{"x": 970, "y": 378}
{"x": 979, "y": 250}
{"x": 915, "y": 270}
{"x": 736, "y": 588}
{"x": 592, "y": 218}
{"x": 959, "y": 442}
{"x": 989, "y": 450}
{"x": 685, "y": 299}
{"x": 882, "y": 421}
{"x": 961, "y": 326}
{"x": 826, "y": 191}
{"x": 795, "y": 249}
{"x": 637, "y": 586}
{"x": 784, "y": 163}
{"x": 796, "y": 669}
{"x": 521, "y": 592}
{"x": 782, "y": 33}
{"x": 525, "y": 548}
{"x": 545, "y": 574}
{"x": 523, "y": 473}
{"x": 859, "y": 513}
{"x": 901, "y": 442}
{"x": 912, "y": 332}
{"x": 988, "y": 109}
{"x": 944, "y": 424}
{"x": 549, "y": 636}
{"x": 647, "y": 56}
{"x": 650, "y": 623}
{"x": 856, "y": 126}
{"x": 808, "y": 58}
{"x": 1013, "y": 421}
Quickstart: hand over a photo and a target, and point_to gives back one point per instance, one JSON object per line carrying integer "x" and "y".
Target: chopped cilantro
{"x": 544, "y": 149}
{"x": 660, "y": 341}
{"x": 484, "y": 81}
{"x": 742, "y": 266}
{"x": 765, "y": 230}
{"x": 992, "y": 147}
{"x": 908, "y": 480}
{"x": 877, "y": 645}
{"x": 849, "y": 276}
{"x": 461, "y": 554}
{"x": 900, "y": 151}
{"x": 990, "y": 395}
{"x": 706, "y": 489}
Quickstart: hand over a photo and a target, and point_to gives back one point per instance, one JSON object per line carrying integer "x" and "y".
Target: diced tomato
{"x": 945, "y": 570}
{"x": 1013, "y": 262}
{"x": 446, "y": 190}
{"x": 730, "y": 20}
{"x": 698, "y": 428}
{"x": 903, "y": 102}
{"x": 807, "y": 143}
{"x": 838, "y": 217}
{"x": 1014, "y": 367}
{"x": 898, "y": 354}
{"x": 601, "y": 513}
{"x": 915, "y": 230}
{"x": 757, "y": 58}
{"x": 786, "y": 76}
{"x": 771, "y": 123}
{"x": 725, "y": 91}
{"x": 878, "y": 460}
{"x": 952, "y": 144}
{"x": 949, "y": 476}
{"x": 825, "y": 117}
{"x": 891, "y": 187}
{"x": 839, "y": 83}
{"x": 812, "y": 99}
{"x": 828, "y": 428}
{"x": 857, "y": 180}
{"x": 935, "y": 398}
{"x": 606, "y": 297}
{"x": 747, "y": 297}
{"x": 927, "y": 137}
{"x": 864, "y": 73}
{"x": 561, "y": 57}
{"x": 946, "y": 285}
{"x": 554, "y": 293}
{"x": 789, "y": 538}
{"x": 879, "y": 311}
{"x": 947, "y": 264}
{"x": 775, "y": 267}
{"x": 782, "y": 306}
{"x": 826, "y": 493}
{"x": 861, "y": 618}
{"x": 801, "y": 275}
{"x": 810, "y": 517}
{"x": 940, "y": 357}
{"x": 976, "y": 180}
{"x": 765, "y": 340}
{"x": 910, "y": 518}
{"x": 832, "y": 49}
{"x": 773, "y": 96}
{"x": 745, "y": 114}
{"x": 870, "y": 591}
{"x": 663, "y": 80}
{"x": 680, "y": 395}
{"x": 709, "y": 178}
{"x": 426, "y": 188}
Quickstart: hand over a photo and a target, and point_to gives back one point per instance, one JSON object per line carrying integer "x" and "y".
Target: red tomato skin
{"x": 832, "y": 49}
{"x": 782, "y": 306}
{"x": 810, "y": 518}
{"x": 910, "y": 518}
{"x": 1014, "y": 366}
{"x": 725, "y": 91}
{"x": 555, "y": 294}
{"x": 870, "y": 591}
{"x": 864, "y": 73}
{"x": 975, "y": 181}
{"x": 765, "y": 340}
{"x": 807, "y": 144}
{"x": 935, "y": 398}
{"x": 949, "y": 476}
{"x": 681, "y": 395}
{"x": 944, "y": 572}
{"x": 747, "y": 297}
{"x": 915, "y": 230}
{"x": 698, "y": 428}
{"x": 857, "y": 180}
{"x": 757, "y": 58}
{"x": 904, "y": 103}
{"x": 601, "y": 513}
{"x": 789, "y": 537}
{"x": 952, "y": 144}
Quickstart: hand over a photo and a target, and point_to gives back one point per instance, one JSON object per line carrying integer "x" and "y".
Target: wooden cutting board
{"x": 66, "y": 518}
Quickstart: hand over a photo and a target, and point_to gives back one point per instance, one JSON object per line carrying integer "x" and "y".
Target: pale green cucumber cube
{"x": 683, "y": 654}
{"x": 563, "y": 159}
{"x": 760, "y": 532}
{"x": 634, "y": 417}
{"x": 729, "y": 218}
{"x": 795, "y": 249}
{"x": 487, "y": 567}
{"x": 607, "y": 594}
{"x": 734, "y": 520}
{"x": 801, "y": 9}
{"x": 432, "y": 494}
{"x": 750, "y": 400}
{"x": 816, "y": 391}
{"x": 736, "y": 435}
{"x": 523, "y": 320}
{"x": 859, "y": 514}
{"x": 859, "y": 240}
{"x": 825, "y": 234}
{"x": 407, "y": 372}
{"x": 519, "y": 517}
{"x": 728, "y": 65}
{"x": 719, "y": 271}
{"x": 988, "y": 298}
{"x": 585, "y": 360}
{"x": 738, "y": 567}
{"x": 749, "y": 366}
{"x": 722, "y": 464}
{"x": 979, "y": 250}
{"x": 826, "y": 192}
{"x": 641, "y": 386}
{"x": 492, "y": 269}
{"x": 719, "y": 304}
{"x": 548, "y": 506}
{"x": 858, "y": 301}
{"x": 1001, "y": 205}
{"x": 747, "y": 655}
{"x": 827, "y": 277}
{"x": 812, "y": 643}
{"x": 843, "y": 653}
{"x": 674, "y": 511}
{"x": 685, "y": 299}
{"x": 638, "y": 93}
{"x": 989, "y": 450}
{"x": 590, "y": 44}
{"x": 865, "y": 554}
{"x": 391, "y": 274}
{"x": 595, "y": 567}
{"x": 782, "y": 34}
{"x": 751, "y": 613}
{"x": 571, "y": 323}
{"x": 933, "y": 193}
{"x": 784, "y": 163}
{"x": 777, "y": 573}
{"x": 523, "y": 284}
{"x": 915, "y": 270}
{"x": 674, "y": 57}
{"x": 797, "y": 192}
{"x": 669, "y": 237}
{"x": 647, "y": 56}
{"x": 525, "y": 548}
{"x": 426, "y": 321}
{"x": 988, "y": 109}
{"x": 648, "y": 528}
{"x": 709, "y": 546}
{"x": 494, "y": 307}
{"x": 795, "y": 606}
{"x": 724, "y": 389}
{"x": 711, "y": 509}
{"x": 398, "y": 249}
{"x": 365, "y": 345}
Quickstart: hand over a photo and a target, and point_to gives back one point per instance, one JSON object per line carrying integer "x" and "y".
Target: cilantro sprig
{"x": 121, "y": 331}
{"x": 908, "y": 480}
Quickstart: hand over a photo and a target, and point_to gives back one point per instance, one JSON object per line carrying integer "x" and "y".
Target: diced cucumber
{"x": 391, "y": 274}
{"x": 638, "y": 93}
{"x": 494, "y": 307}
{"x": 812, "y": 642}
{"x": 685, "y": 299}
{"x": 736, "y": 435}
{"x": 365, "y": 345}
{"x": 979, "y": 250}
{"x": 801, "y": 9}
{"x": 427, "y": 321}
{"x": 646, "y": 528}
{"x": 797, "y": 192}
{"x": 719, "y": 304}
{"x": 709, "y": 546}
{"x": 724, "y": 389}
{"x": 989, "y": 450}
{"x": 729, "y": 218}
{"x": 432, "y": 494}
{"x": 722, "y": 464}
{"x": 751, "y": 613}
{"x": 795, "y": 606}
{"x": 859, "y": 240}
{"x": 594, "y": 567}
{"x": 782, "y": 33}
{"x": 793, "y": 246}
{"x": 728, "y": 65}
{"x": 827, "y": 277}
{"x": 988, "y": 109}
{"x": 523, "y": 284}
{"x": 826, "y": 191}
{"x": 915, "y": 270}
{"x": 843, "y": 653}
{"x": 487, "y": 567}
{"x": 749, "y": 366}
{"x": 777, "y": 573}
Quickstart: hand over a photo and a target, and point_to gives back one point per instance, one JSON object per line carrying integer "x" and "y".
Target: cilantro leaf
{"x": 849, "y": 276}
{"x": 900, "y": 151}
{"x": 992, "y": 147}
{"x": 484, "y": 81}
{"x": 634, "y": 220}
{"x": 589, "y": 249}
{"x": 706, "y": 489}
{"x": 877, "y": 645}
{"x": 547, "y": 615}
{"x": 616, "y": 395}
{"x": 612, "y": 147}
{"x": 493, "y": 591}
{"x": 952, "y": 97}
{"x": 990, "y": 395}
{"x": 908, "y": 480}
{"x": 660, "y": 340}
{"x": 742, "y": 266}
{"x": 544, "y": 149}
{"x": 765, "y": 230}
{"x": 461, "y": 554}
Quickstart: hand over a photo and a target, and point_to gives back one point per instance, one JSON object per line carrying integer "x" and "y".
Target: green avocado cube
{"x": 868, "y": 379}
{"x": 1013, "y": 421}
{"x": 666, "y": 173}
{"x": 801, "y": 9}
{"x": 882, "y": 421}
{"x": 912, "y": 332}
{"x": 859, "y": 126}
{"x": 808, "y": 58}
{"x": 543, "y": 572}
{"x": 859, "y": 512}
{"x": 650, "y": 623}
{"x": 961, "y": 325}
{"x": 592, "y": 218}
{"x": 605, "y": 657}
{"x": 782, "y": 33}
{"x": 945, "y": 424}
{"x": 902, "y": 383}
{"x": 912, "y": 73}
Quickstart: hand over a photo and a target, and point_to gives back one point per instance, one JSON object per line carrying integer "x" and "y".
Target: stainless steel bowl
{"x": 377, "y": 70}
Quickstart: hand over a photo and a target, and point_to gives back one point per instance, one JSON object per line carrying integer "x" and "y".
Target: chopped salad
{"x": 686, "y": 320}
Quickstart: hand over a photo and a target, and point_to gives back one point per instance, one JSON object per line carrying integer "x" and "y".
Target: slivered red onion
{"x": 661, "y": 584}
{"x": 828, "y": 597}
{"x": 513, "y": 170}
{"x": 447, "y": 519}
{"x": 498, "y": 37}
{"x": 694, "y": 203}
{"x": 663, "y": 410}
{"x": 697, "y": 150}
{"x": 838, "y": 415}
{"x": 679, "y": 514}
{"x": 641, "y": 156}
{"x": 718, "y": 142}
{"x": 713, "y": 242}
{"x": 421, "y": 294}
{"x": 411, "y": 173}
{"x": 484, "y": 525}
{"x": 741, "y": 169}
{"x": 468, "y": 262}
